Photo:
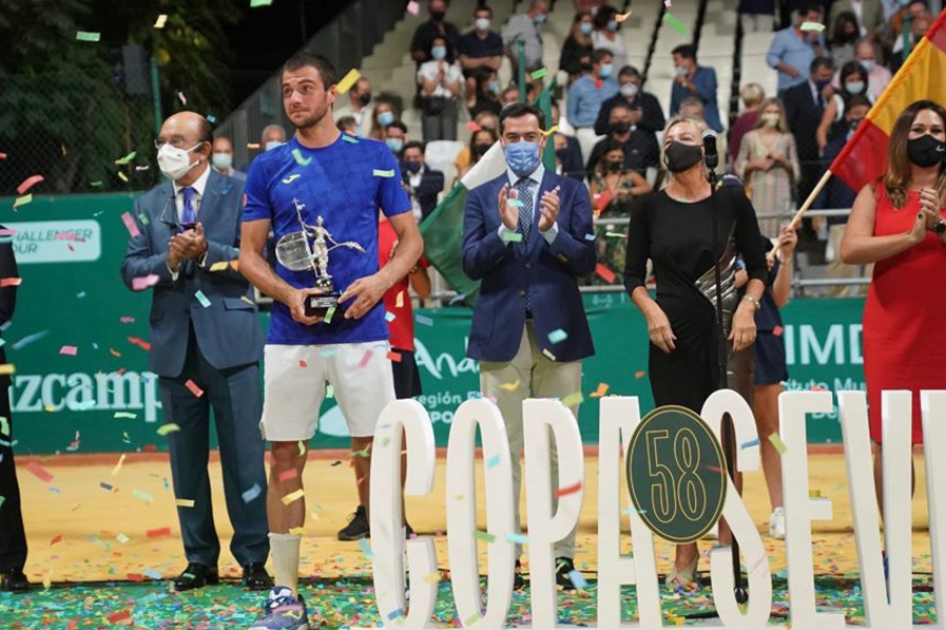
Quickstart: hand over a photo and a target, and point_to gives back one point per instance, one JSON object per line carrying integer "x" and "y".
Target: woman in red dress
{"x": 897, "y": 224}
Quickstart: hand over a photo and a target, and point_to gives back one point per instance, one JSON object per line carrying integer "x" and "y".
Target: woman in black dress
{"x": 673, "y": 228}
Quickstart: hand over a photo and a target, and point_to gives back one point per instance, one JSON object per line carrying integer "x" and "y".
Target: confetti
{"x": 493, "y": 461}
{"x": 430, "y": 578}
{"x": 364, "y": 360}
{"x": 399, "y": 300}
{"x": 674, "y": 23}
{"x": 161, "y": 21}
{"x": 260, "y": 3}
{"x": 125, "y": 160}
{"x": 777, "y": 331}
{"x": 184, "y": 503}
{"x": 423, "y": 320}
{"x": 292, "y": 473}
{"x": 549, "y": 132}
{"x": 394, "y": 356}
{"x": 83, "y": 36}
{"x": 118, "y": 466}
{"x": 381, "y": 173}
{"x": 293, "y": 496}
{"x": 365, "y": 547}
{"x": 56, "y": 539}
{"x": 69, "y": 350}
{"x": 143, "y": 282}
{"x": 395, "y": 615}
{"x": 170, "y": 427}
{"x": 548, "y": 354}
{"x": 22, "y": 201}
{"x": 11, "y": 282}
{"x": 349, "y": 138}
{"x": 778, "y": 443}
{"x": 573, "y": 400}
{"x": 538, "y": 74}
{"x": 28, "y": 183}
{"x": 513, "y": 202}
{"x": 615, "y": 235}
{"x": 40, "y": 472}
{"x": 220, "y": 266}
{"x": 561, "y": 492}
{"x": 812, "y": 26}
{"x": 125, "y": 414}
{"x": 389, "y": 316}
{"x": 577, "y": 579}
{"x": 510, "y": 387}
{"x": 589, "y": 237}
{"x": 160, "y": 532}
{"x": 480, "y": 535}
{"x": 347, "y": 82}
{"x": 749, "y": 444}
{"x": 194, "y": 389}
{"x": 4, "y": 426}
{"x": 413, "y": 7}
{"x": 130, "y": 225}
{"x": 202, "y": 299}
{"x": 601, "y": 391}
{"x": 127, "y": 320}
{"x": 297, "y": 531}
{"x": 300, "y": 160}
{"x": 558, "y": 335}
{"x": 252, "y": 494}
{"x": 329, "y": 314}
{"x": 511, "y": 237}
{"x": 473, "y": 126}
{"x": 519, "y": 539}
{"x": 122, "y": 538}
{"x": 6, "y": 369}
{"x": 606, "y": 274}
{"x": 144, "y": 496}
{"x": 623, "y": 16}
{"x": 182, "y": 98}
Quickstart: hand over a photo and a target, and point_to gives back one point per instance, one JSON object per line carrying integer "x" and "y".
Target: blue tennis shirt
{"x": 345, "y": 183}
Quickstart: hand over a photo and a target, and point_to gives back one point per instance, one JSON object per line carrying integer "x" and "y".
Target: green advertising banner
{"x": 102, "y": 398}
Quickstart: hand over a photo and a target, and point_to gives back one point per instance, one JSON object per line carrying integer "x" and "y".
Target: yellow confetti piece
{"x": 548, "y": 354}
{"x": 48, "y": 580}
{"x": 601, "y": 391}
{"x": 118, "y": 466}
{"x": 623, "y": 16}
{"x": 84, "y": 36}
{"x": 812, "y": 26}
{"x": 7, "y": 368}
{"x": 814, "y": 494}
{"x": 348, "y": 81}
{"x": 164, "y": 429}
{"x": 293, "y": 496}
{"x": 550, "y": 131}
{"x": 382, "y": 173}
{"x": 778, "y": 443}
{"x": 399, "y": 301}
{"x": 161, "y": 21}
{"x": 510, "y": 387}
{"x": 301, "y": 448}
{"x": 573, "y": 400}
{"x": 221, "y": 266}
{"x": 432, "y": 578}
{"x": 297, "y": 531}
{"x": 122, "y": 177}
{"x": 22, "y": 201}
{"x": 184, "y": 503}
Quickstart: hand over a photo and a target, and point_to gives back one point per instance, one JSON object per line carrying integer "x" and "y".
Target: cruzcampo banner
{"x": 100, "y": 397}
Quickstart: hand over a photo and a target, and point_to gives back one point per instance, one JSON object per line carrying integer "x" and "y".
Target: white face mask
{"x": 174, "y": 162}
{"x": 629, "y": 90}
{"x": 272, "y": 144}
{"x": 223, "y": 161}
{"x": 482, "y": 24}
{"x": 771, "y": 120}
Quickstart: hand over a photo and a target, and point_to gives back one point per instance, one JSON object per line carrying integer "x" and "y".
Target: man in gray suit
{"x": 206, "y": 343}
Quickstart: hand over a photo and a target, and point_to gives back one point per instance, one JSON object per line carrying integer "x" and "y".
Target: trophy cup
{"x": 296, "y": 253}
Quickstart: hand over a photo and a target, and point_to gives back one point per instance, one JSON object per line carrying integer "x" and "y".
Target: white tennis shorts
{"x": 295, "y": 379}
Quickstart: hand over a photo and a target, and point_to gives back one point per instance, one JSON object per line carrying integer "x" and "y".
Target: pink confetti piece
{"x": 183, "y": 98}
{"x": 143, "y": 282}
{"x": 39, "y": 471}
{"x": 127, "y": 320}
{"x": 69, "y": 350}
{"x": 364, "y": 360}
{"x": 194, "y": 389}
{"x": 10, "y": 282}
{"x": 289, "y": 474}
{"x": 131, "y": 225}
{"x": 3, "y": 156}
{"x": 28, "y": 183}
{"x": 413, "y": 7}
{"x": 667, "y": 3}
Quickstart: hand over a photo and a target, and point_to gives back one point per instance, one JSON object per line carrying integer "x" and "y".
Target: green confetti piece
{"x": 674, "y": 23}
{"x": 128, "y": 158}
{"x": 202, "y": 299}
{"x": 144, "y": 496}
{"x": 260, "y": 3}
{"x": 164, "y": 429}
{"x": 573, "y": 400}
{"x": 330, "y": 391}
{"x": 538, "y": 74}
{"x": 95, "y": 184}
{"x": 84, "y": 36}
{"x": 4, "y": 426}
{"x": 2, "y": 499}
{"x": 472, "y": 619}
{"x": 558, "y": 335}
{"x": 302, "y": 161}
{"x": 125, "y": 414}
{"x": 812, "y": 26}
{"x": 329, "y": 314}
{"x": 380, "y": 173}
{"x": 484, "y": 536}
{"x": 22, "y": 201}
{"x": 614, "y": 235}
{"x": 347, "y": 137}
{"x": 777, "y": 442}
{"x": 143, "y": 218}
{"x": 512, "y": 237}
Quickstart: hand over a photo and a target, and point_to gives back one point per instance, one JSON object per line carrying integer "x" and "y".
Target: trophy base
{"x": 318, "y": 305}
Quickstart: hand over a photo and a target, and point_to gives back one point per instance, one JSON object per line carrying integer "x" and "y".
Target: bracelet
{"x": 754, "y": 301}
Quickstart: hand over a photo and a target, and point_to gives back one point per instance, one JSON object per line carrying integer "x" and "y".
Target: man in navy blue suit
{"x": 206, "y": 345}
{"x": 528, "y": 237}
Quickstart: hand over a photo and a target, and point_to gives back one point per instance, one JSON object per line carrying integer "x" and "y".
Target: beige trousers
{"x": 837, "y": 269}
{"x": 537, "y": 377}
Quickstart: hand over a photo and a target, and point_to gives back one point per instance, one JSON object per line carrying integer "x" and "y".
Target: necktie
{"x": 187, "y": 215}
{"x": 524, "y": 192}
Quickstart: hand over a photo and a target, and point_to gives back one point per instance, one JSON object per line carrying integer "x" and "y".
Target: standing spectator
{"x": 480, "y": 50}
{"x": 867, "y": 52}
{"x": 483, "y": 97}
{"x": 577, "y": 51}
{"x": 385, "y": 113}
{"x": 222, "y": 158}
{"x": 694, "y": 80}
{"x": 528, "y": 290}
{"x": 436, "y": 26}
{"x": 423, "y": 184}
{"x": 838, "y": 195}
{"x": 509, "y": 96}
{"x": 692, "y": 107}
{"x": 13, "y": 545}
{"x": 484, "y": 120}
{"x": 804, "y": 107}
{"x": 526, "y": 27}
{"x": 273, "y": 136}
{"x": 605, "y": 34}
{"x": 480, "y": 142}
{"x": 793, "y": 49}
{"x": 853, "y": 82}
{"x": 640, "y": 149}
{"x": 844, "y": 38}
{"x": 347, "y": 124}
{"x": 768, "y": 163}
{"x": 648, "y": 115}
{"x": 901, "y": 49}
{"x": 868, "y": 13}
{"x": 359, "y": 107}
{"x": 893, "y": 31}
{"x": 586, "y": 95}
{"x": 395, "y": 136}
{"x": 186, "y": 225}
{"x": 441, "y": 82}
{"x": 568, "y": 154}
{"x": 752, "y": 96}
{"x": 757, "y": 16}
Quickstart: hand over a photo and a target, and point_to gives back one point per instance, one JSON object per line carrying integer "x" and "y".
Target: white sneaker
{"x": 777, "y": 524}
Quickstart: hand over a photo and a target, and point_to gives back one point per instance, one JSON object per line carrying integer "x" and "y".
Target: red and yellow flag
{"x": 922, "y": 77}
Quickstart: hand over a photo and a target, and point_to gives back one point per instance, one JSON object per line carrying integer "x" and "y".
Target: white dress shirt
{"x": 535, "y": 181}
{"x": 199, "y": 186}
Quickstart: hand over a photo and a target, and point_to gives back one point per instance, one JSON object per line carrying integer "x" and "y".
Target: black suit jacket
{"x": 803, "y": 113}
{"x": 431, "y": 184}
{"x": 652, "y": 117}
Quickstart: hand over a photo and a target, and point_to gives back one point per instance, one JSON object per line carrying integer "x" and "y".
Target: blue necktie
{"x": 187, "y": 215}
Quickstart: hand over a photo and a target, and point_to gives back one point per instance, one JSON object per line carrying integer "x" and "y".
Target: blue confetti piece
{"x": 202, "y": 299}
{"x": 151, "y": 573}
{"x": 577, "y": 579}
{"x": 211, "y": 119}
{"x": 253, "y": 493}
{"x": 51, "y": 489}
{"x": 80, "y": 294}
{"x": 106, "y": 486}
{"x": 389, "y": 317}
{"x": 426, "y": 321}
{"x": 558, "y": 335}
{"x": 25, "y": 341}
{"x": 749, "y": 444}
{"x": 589, "y": 237}
{"x": 493, "y": 461}
{"x": 396, "y": 614}
{"x": 365, "y": 547}
{"x": 519, "y": 539}
{"x": 630, "y": 511}
{"x": 327, "y": 353}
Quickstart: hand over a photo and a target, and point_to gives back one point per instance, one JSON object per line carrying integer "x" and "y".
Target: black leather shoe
{"x": 14, "y": 581}
{"x": 256, "y": 578}
{"x": 196, "y": 576}
{"x": 563, "y": 567}
{"x": 518, "y": 582}
{"x": 357, "y": 527}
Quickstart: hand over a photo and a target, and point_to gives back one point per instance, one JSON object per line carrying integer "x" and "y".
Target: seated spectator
{"x": 483, "y": 120}
{"x": 395, "y": 136}
{"x": 436, "y": 26}
{"x": 836, "y": 195}
{"x": 423, "y": 185}
{"x": 347, "y": 124}
{"x": 484, "y": 97}
{"x": 793, "y": 49}
{"x": 586, "y": 95}
{"x": 605, "y": 34}
{"x": 844, "y": 38}
{"x": 752, "y": 96}
{"x": 509, "y": 96}
{"x": 757, "y": 16}
{"x": 441, "y": 82}
{"x": 692, "y": 107}
{"x": 359, "y": 107}
{"x": 568, "y": 155}
{"x": 648, "y": 116}
{"x": 384, "y": 114}
{"x": 868, "y": 13}
{"x": 222, "y": 158}
{"x": 697, "y": 81}
{"x": 577, "y": 50}
{"x": 640, "y": 149}
{"x": 867, "y": 53}
{"x": 853, "y": 81}
{"x": 273, "y": 136}
{"x": 768, "y": 164}
{"x": 526, "y": 27}
{"x": 480, "y": 143}
{"x": 534, "y": 89}
{"x": 901, "y": 48}
{"x": 480, "y": 50}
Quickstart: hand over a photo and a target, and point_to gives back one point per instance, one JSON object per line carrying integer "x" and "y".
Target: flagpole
{"x": 807, "y": 205}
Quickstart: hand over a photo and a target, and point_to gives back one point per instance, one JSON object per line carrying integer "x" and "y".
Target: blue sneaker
{"x": 283, "y": 611}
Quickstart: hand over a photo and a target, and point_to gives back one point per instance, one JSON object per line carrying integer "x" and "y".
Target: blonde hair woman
{"x": 673, "y": 228}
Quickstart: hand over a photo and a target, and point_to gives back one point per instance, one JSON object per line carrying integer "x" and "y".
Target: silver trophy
{"x": 296, "y": 253}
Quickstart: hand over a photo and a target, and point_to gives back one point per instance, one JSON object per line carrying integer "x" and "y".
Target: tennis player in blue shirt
{"x": 343, "y": 180}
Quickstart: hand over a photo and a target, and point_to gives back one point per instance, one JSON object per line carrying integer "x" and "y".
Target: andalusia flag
{"x": 443, "y": 229}
{"x": 922, "y": 77}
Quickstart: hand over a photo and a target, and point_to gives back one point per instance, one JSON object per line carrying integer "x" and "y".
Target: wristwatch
{"x": 940, "y": 227}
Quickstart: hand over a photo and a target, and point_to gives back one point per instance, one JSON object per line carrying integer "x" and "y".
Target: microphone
{"x": 709, "y": 148}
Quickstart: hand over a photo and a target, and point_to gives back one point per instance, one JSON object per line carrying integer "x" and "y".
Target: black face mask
{"x": 926, "y": 151}
{"x": 364, "y": 99}
{"x": 620, "y": 128}
{"x": 681, "y": 157}
{"x": 437, "y": 16}
{"x": 481, "y": 149}
{"x": 561, "y": 154}
{"x": 614, "y": 166}
{"x": 586, "y": 67}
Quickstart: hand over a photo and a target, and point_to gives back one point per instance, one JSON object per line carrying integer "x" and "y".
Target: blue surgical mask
{"x": 606, "y": 71}
{"x": 855, "y": 87}
{"x": 868, "y": 65}
{"x": 613, "y": 26}
{"x": 493, "y": 87}
{"x": 438, "y": 52}
{"x": 522, "y": 157}
{"x": 680, "y": 71}
{"x": 385, "y": 118}
{"x": 586, "y": 28}
{"x": 395, "y": 144}
{"x": 540, "y": 19}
